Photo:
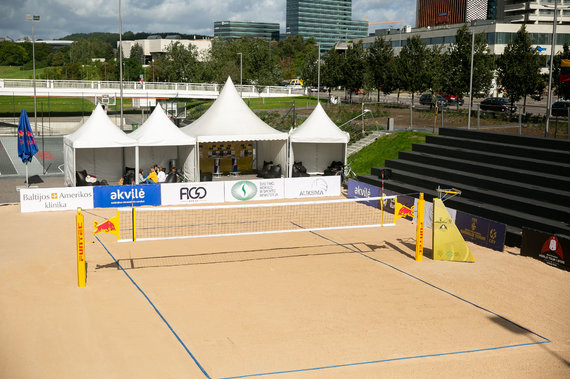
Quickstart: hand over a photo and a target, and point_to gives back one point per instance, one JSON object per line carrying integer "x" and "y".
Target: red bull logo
{"x": 109, "y": 226}
{"x": 405, "y": 211}
{"x": 106, "y": 227}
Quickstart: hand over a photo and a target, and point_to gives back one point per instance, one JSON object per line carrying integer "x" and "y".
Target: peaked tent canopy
{"x": 97, "y": 147}
{"x": 229, "y": 119}
{"x": 160, "y": 142}
{"x": 317, "y": 142}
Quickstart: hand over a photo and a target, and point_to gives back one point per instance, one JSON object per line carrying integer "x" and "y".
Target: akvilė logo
{"x": 244, "y": 190}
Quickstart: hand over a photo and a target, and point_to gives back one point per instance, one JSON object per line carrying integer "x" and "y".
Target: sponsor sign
{"x": 126, "y": 196}
{"x": 552, "y": 249}
{"x": 192, "y": 193}
{"x": 358, "y": 189}
{"x": 481, "y": 231}
{"x": 245, "y": 190}
{"x": 55, "y": 199}
{"x": 316, "y": 186}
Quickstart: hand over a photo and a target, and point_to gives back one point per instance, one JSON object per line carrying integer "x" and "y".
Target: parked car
{"x": 453, "y": 99}
{"x": 497, "y": 104}
{"x": 429, "y": 99}
{"x": 560, "y": 108}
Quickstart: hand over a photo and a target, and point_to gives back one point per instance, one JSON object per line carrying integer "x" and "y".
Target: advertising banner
{"x": 192, "y": 193}
{"x": 257, "y": 189}
{"x": 126, "y": 196}
{"x": 552, "y": 249}
{"x": 358, "y": 189}
{"x": 481, "y": 231}
{"x": 316, "y": 186}
{"x": 55, "y": 199}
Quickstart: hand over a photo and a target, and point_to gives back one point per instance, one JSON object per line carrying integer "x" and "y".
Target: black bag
{"x": 265, "y": 169}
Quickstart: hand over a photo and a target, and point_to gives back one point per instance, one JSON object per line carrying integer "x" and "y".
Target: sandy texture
{"x": 262, "y": 304}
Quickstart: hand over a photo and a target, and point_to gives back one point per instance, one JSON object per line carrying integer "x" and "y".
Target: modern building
{"x": 155, "y": 45}
{"x": 498, "y": 34}
{"x": 239, "y": 29}
{"x": 438, "y": 12}
{"x": 327, "y": 21}
{"x": 536, "y": 11}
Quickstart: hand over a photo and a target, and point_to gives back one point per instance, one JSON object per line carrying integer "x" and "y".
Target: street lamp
{"x": 471, "y": 80}
{"x": 319, "y": 74}
{"x": 549, "y": 98}
{"x": 121, "y": 63}
{"x": 33, "y": 19}
{"x": 240, "y": 74}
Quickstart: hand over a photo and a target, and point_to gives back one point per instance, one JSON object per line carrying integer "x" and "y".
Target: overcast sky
{"x": 62, "y": 17}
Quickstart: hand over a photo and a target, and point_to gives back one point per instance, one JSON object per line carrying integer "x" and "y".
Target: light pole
{"x": 319, "y": 74}
{"x": 549, "y": 98}
{"x": 471, "y": 80}
{"x": 33, "y": 19}
{"x": 121, "y": 62}
{"x": 240, "y": 74}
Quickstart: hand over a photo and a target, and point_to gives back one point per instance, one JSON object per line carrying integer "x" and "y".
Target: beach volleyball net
{"x": 160, "y": 223}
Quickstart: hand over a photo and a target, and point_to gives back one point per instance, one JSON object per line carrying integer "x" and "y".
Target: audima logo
{"x": 319, "y": 187}
{"x": 244, "y": 190}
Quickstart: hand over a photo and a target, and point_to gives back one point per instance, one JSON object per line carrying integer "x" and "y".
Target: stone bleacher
{"x": 518, "y": 181}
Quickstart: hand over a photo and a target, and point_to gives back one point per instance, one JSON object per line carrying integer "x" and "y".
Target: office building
{"x": 154, "y": 46}
{"x": 536, "y": 11}
{"x": 327, "y": 21}
{"x": 239, "y": 29}
{"x": 437, "y": 12}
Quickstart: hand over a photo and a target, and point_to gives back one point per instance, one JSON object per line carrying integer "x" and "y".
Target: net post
{"x": 382, "y": 211}
{"x": 133, "y": 214}
{"x": 80, "y": 233}
{"x": 420, "y": 229}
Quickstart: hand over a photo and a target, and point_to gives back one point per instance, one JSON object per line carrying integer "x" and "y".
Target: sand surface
{"x": 345, "y": 304}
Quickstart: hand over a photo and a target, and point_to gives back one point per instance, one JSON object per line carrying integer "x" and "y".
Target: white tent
{"x": 229, "y": 119}
{"x": 317, "y": 142}
{"x": 98, "y": 147}
{"x": 159, "y": 142}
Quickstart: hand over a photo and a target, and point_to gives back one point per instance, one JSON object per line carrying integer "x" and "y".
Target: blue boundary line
{"x": 156, "y": 310}
{"x": 546, "y": 340}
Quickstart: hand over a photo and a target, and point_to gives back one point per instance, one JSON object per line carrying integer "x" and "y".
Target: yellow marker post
{"x": 420, "y": 229}
{"x": 80, "y": 230}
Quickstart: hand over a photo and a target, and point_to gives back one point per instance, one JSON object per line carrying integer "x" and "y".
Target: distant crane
{"x": 384, "y": 22}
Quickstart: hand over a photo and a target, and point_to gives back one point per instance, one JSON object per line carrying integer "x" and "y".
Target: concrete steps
{"x": 363, "y": 142}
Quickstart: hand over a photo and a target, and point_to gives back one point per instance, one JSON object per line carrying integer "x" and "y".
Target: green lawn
{"x": 14, "y": 72}
{"x": 384, "y": 148}
{"x": 13, "y": 105}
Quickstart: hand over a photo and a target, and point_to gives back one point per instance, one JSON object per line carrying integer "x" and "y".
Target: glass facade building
{"x": 327, "y": 21}
{"x": 238, "y": 29}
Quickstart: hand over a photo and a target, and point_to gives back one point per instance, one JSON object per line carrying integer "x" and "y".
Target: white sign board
{"x": 55, "y": 199}
{"x": 315, "y": 186}
{"x": 258, "y": 189}
{"x": 192, "y": 193}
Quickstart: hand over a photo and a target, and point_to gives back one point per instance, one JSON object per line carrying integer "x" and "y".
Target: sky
{"x": 59, "y": 18}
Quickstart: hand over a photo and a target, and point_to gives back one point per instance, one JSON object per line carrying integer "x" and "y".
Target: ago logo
{"x": 244, "y": 190}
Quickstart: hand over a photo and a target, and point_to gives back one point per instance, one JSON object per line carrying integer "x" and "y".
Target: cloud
{"x": 62, "y": 17}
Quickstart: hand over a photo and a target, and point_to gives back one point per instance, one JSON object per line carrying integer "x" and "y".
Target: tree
{"x": 137, "y": 53}
{"x": 562, "y": 89}
{"x": 179, "y": 63}
{"x": 460, "y": 64}
{"x": 292, "y": 54}
{"x": 437, "y": 75}
{"x": 331, "y": 74}
{"x": 12, "y": 54}
{"x": 519, "y": 69}
{"x": 413, "y": 66}
{"x": 310, "y": 71}
{"x": 379, "y": 58}
{"x": 353, "y": 68}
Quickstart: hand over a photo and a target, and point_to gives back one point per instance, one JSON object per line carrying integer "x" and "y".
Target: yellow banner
{"x": 565, "y": 63}
{"x": 109, "y": 226}
{"x": 448, "y": 243}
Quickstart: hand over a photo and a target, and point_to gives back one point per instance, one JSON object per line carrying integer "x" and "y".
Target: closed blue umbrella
{"x": 27, "y": 147}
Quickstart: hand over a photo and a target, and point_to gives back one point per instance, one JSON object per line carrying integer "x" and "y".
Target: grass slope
{"x": 384, "y": 148}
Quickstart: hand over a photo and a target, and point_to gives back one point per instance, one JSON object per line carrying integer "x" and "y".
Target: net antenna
{"x": 446, "y": 194}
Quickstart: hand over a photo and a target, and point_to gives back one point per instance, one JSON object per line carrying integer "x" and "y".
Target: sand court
{"x": 334, "y": 304}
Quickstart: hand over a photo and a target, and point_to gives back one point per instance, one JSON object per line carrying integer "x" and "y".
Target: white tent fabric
{"x": 317, "y": 142}
{"x": 97, "y": 147}
{"x": 229, "y": 119}
{"x": 159, "y": 142}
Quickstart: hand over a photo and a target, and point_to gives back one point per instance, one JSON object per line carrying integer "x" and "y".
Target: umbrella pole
{"x": 27, "y": 183}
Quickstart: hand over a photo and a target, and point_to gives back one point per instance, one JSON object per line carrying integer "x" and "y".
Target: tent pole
{"x": 137, "y": 165}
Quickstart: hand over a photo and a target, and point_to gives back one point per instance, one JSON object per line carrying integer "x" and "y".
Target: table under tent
{"x": 160, "y": 142}
{"x": 317, "y": 143}
{"x": 232, "y": 139}
{"x": 96, "y": 149}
